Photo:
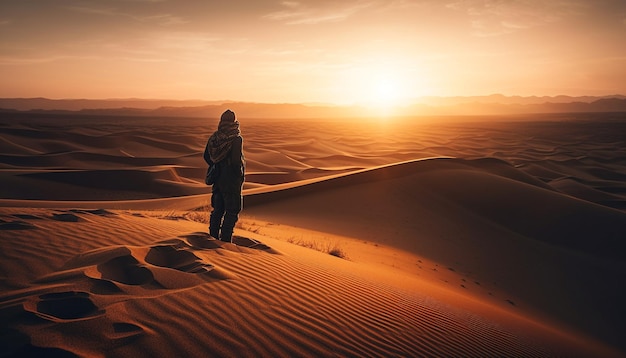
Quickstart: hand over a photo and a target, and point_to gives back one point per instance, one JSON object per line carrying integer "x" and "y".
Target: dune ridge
{"x": 41, "y": 156}
{"x": 481, "y": 218}
{"x": 504, "y": 239}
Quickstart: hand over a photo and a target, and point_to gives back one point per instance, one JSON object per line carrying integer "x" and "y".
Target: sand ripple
{"x": 190, "y": 295}
{"x": 131, "y": 158}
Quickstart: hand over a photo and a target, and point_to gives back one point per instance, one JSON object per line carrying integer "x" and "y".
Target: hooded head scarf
{"x": 221, "y": 141}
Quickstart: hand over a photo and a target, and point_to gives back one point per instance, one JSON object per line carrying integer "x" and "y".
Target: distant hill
{"x": 164, "y": 108}
{"x": 26, "y": 104}
{"x": 502, "y": 99}
{"x": 479, "y": 105}
{"x": 608, "y": 104}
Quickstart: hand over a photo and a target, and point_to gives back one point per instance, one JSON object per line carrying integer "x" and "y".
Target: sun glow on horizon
{"x": 374, "y": 54}
{"x": 386, "y": 92}
{"x": 381, "y": 86}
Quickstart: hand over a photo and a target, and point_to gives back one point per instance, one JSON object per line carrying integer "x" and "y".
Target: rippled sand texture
{"x": 358, "y": 238}
{"x": 126, "y": 158}
{"x": 93, "y": 282}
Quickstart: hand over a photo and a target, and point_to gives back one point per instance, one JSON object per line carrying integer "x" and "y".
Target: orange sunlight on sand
{"x": 357, "y": 239}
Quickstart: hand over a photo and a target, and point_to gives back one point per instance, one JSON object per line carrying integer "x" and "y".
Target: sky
{"x": 327, "y": 51}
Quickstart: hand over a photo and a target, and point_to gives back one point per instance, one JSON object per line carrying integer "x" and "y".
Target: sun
{"x": 381, "y": 86}
{"x": 386, "y": 93}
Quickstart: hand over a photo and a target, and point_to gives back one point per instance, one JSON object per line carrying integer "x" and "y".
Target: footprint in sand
{"x": 127, "y": 270}
{"x": 167, "y": 265}
{"x": 201, "y": 240}
{"x": 124, "y": 332}
{"x": 94, "y": 281}
{"x": 178, "y": 259}
{"x": 64, "y": 306}
{"x": 252, "y": 244}
{"x": 69, "y": 310}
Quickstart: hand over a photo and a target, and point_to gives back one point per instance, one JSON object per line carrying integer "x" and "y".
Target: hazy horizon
{"x": 382, "y": 53}
{"x": 563, "y": 96}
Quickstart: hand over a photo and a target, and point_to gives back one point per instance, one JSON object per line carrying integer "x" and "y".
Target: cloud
{"x": 36, "y": 59}
{"x": 163, "y": 19}
{"x": 499, "y": 17}
{"x": 298, "y": 13}
{"x": 159, "y": 18}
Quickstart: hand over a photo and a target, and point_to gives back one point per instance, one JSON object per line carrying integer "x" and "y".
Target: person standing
{"x": 225, "y": 150}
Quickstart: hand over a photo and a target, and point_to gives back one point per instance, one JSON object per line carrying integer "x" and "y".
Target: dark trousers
{"x": 225, "y": 213}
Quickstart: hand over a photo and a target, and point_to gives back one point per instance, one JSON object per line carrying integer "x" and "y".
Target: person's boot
{"x": 214, "y": 226}
{"x": 227, "y": 236}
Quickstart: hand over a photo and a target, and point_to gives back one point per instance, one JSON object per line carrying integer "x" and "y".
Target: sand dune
{"x": 553, "y": 253}
{"x": 506, "y": 241}
{"x": 64, "y": 159}
{"x": 126, "y": 284}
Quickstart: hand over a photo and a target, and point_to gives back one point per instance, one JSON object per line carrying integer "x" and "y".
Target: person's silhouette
{"x": 225, "y": 149}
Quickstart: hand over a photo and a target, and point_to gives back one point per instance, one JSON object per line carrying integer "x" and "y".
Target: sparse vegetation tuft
{"x": 326, "y": 247}
{"x": 338, "y": 251}
{"x": 250, "y": 226}
{"x": 200, "y": 214}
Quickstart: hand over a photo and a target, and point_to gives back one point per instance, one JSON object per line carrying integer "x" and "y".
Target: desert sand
{"x": 399, "y": 237}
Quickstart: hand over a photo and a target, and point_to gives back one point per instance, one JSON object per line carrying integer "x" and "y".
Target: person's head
{"x": 228, "y": 116}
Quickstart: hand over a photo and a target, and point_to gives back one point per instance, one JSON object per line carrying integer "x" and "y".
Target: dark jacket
{"x": 232, "y": 168}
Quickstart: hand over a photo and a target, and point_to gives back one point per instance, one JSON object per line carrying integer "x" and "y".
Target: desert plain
{"x": 498, "y": 236}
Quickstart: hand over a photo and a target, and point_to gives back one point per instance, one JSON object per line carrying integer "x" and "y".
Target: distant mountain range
{"x": 477, "y": 105}
{"x": 27, "y": 104}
